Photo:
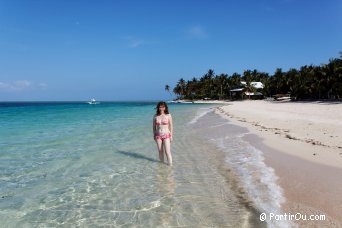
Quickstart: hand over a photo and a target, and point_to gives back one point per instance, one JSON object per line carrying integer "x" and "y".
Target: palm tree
{"x": 167, "y": 88}
{"x": 180, "y": 88}
{"x": 235, "y": 80}
{"x": 222, "y": 85}
{"x": 178, "y": 91}
{"x": 264, "y": 78}
{"x": 195, "y": 87}
{"x": 256, "y": 75}
{"x": 334, "y": 78}
{"x": 183, "y": 86}
{"x": 247, "y": 76}
{"x": 209, "y": 82}
{"x": 317, "y": 82}
{"x": 280, "y": 81}
{"x": 328, "y": 72}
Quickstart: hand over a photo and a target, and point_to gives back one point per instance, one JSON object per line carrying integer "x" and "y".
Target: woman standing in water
{"x": 162, "y": 131}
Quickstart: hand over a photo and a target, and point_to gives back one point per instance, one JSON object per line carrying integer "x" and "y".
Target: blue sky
{"x": 129, "y": 50}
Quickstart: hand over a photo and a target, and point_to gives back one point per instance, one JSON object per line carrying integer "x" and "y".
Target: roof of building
{"x": 237, "y": 90}
{"x": 257, "y": 85}
{"x": 253, "y": 94}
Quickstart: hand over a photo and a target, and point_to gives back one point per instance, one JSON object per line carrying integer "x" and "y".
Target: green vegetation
{"x": 309, "y": 82}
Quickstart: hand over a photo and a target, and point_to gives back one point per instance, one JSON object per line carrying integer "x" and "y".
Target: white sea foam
{"x": 258, "y": 179}
{"x": 200, "y": 113}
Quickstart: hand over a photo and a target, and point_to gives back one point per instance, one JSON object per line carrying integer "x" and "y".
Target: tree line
{"x": 309, "y": 82}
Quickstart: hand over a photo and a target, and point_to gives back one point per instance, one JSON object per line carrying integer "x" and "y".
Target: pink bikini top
{"x": 165, "y": 121}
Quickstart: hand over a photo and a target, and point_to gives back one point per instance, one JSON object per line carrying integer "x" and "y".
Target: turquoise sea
{"x": 74, "y": 164}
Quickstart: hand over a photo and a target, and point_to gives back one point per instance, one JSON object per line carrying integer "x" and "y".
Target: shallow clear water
{"x": 72, "y": 164}
{"x": 250, "y": 178}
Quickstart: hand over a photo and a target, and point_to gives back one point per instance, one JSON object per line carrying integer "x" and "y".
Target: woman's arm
{"x": 154, "y": 127}
{"x": 171, "y": 127}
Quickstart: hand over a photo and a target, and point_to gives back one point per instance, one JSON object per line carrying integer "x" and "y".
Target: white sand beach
{"x": 302, "y": 142}
{"x": 201, "y": 101}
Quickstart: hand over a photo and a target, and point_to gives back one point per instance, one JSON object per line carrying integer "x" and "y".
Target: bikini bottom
{"x": 163, "y": 136}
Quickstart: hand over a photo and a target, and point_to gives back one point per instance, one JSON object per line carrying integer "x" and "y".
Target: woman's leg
{"x": 167, "y": 145}
{"x": 160, "y": 149}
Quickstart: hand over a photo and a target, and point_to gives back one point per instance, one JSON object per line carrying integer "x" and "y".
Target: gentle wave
{"x": 258, "y": 180}
{"x": 200, "y": 113}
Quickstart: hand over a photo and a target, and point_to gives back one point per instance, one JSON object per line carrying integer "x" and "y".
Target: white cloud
{"x": 42, "y": 85}
{"x": 20, "y": 85}
{"x": 133, "y": 42}
{"x": 196, "y": 32}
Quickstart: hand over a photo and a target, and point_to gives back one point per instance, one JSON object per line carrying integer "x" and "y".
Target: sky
{"x": 75, "y": 50}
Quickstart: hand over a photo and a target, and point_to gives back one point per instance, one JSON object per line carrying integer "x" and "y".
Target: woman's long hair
{"x": 162, "y": 103}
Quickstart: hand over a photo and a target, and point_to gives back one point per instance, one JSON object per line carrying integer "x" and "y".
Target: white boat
{"x": 92, "y": 101}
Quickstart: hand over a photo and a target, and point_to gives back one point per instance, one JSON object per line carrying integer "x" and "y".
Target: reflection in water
{"x": 166, "y": 189}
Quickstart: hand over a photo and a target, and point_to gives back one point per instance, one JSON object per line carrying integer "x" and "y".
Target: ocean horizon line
{"x": 78, "y": 101}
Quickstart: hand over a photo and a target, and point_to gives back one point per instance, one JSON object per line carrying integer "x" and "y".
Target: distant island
{"x": 309, "y": 82}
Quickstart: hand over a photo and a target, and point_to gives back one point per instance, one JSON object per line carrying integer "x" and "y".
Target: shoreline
{"x": 308, "y": 165}
{"x": 200, "y": 101}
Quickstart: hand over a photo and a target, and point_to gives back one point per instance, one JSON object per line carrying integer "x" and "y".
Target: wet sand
{"x": 301, "y": 141}
{"x": 206, "y": 186}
